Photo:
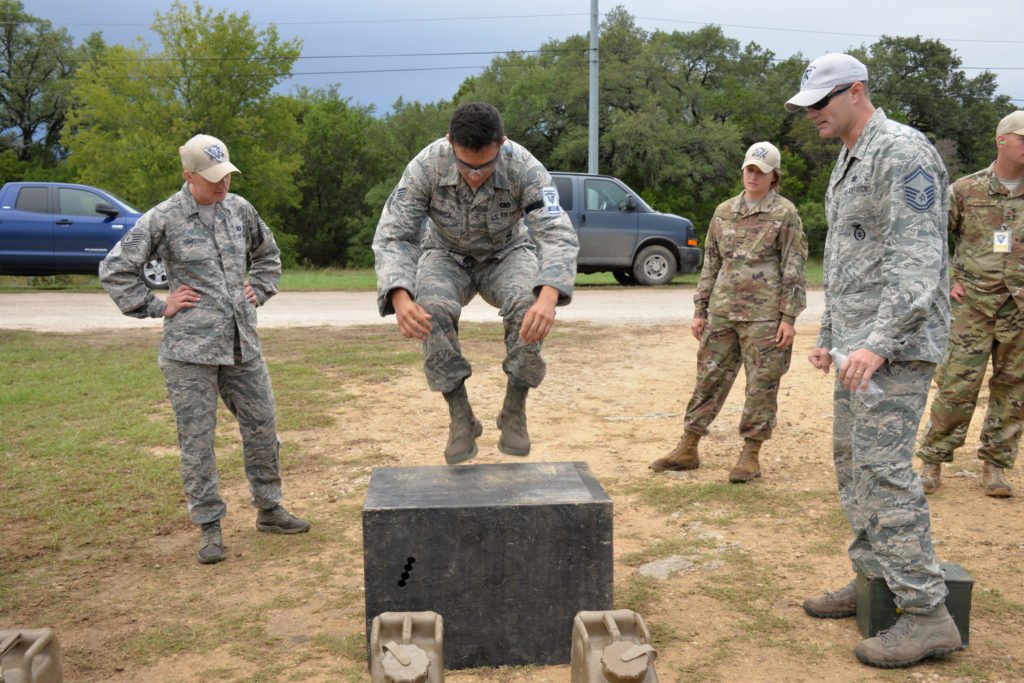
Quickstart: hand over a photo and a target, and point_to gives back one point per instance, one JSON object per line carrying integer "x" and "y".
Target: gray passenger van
{"x": 621, "y": 233}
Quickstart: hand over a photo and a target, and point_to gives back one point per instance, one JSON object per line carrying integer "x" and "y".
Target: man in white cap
{"x": 986, "y": 218}
{"x": 752, "y": 288}
{"x": 210, "y": 345}
{"x": 887, "y": 309}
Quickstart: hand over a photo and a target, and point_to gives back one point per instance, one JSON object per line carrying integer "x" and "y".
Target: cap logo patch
{"x": 759, "y": 153}
{"x": 215, "y": 153}
{"x": 807, "y": 74}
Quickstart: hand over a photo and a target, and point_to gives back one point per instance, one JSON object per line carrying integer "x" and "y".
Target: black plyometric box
{"x": 507, "y": 554}
{"x": 876, "y": 604}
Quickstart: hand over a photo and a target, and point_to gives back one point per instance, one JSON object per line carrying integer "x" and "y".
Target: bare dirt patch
{"x": 291, "y": 608}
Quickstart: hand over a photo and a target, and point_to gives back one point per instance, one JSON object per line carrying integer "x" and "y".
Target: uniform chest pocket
{"x": 196, "y": 249}
{"x": 444, "y": 218}
{"x": 981, "y": 218}
{"x": 853, "y": 237}
{"x": 503, "y": 219}
{"x": 758, "y": 239}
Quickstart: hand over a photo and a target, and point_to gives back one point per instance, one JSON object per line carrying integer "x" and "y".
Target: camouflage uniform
{"x": 213, "y": 347}
{"x": 753, "y": 278}
{"x": 886, "y": 291}
{"x": 443, "y": 242}
{"x": 989, "y": 322}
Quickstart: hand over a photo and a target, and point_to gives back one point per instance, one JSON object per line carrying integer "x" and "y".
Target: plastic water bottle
{"x": 870, "y": 396}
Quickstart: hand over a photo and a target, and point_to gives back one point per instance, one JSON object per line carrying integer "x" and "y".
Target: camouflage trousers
{"x": 879, "y": 490}
{"x": 444, "y": 286}
{"x": 974, "y": 338}
{"x": 245, "y": 388}
{"x": 724, "y": 345}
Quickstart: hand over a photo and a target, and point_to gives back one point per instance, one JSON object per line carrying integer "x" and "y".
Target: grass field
{"x": 323, "y": 279}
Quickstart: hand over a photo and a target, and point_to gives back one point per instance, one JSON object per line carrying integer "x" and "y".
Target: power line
{"x": 501, "y": 17}
{"x": 477, "y": 53}
{"x": 339, "y": 21}
{"x": 821, "y": 33}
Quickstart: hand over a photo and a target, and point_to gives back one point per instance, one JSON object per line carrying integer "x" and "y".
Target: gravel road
{"x": 74, "y": 312}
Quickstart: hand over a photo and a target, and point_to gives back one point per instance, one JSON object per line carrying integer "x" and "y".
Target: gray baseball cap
{"x": 823, "y": 75}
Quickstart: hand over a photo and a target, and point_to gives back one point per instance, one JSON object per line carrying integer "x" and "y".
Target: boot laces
{"x": 843, "y": 593}
{"x": 836, "y": 595}
{"x": 898, "y": 631}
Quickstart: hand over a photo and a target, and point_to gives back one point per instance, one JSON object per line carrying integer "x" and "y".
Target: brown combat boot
{"x": 464, "y": 428}
{"x": 514, "y": 440}
{"x": 931, "y": 476}
{"x": 913, "y": 638}
{"x": 747, "y": 468}
{"x": 994, "y": 479}
{"x": 683, "y": 457}
{"x": 834, "y": 605}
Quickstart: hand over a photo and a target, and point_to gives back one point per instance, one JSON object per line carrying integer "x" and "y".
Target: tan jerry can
{"x": 612, "y": 646}
{"x": 407, "y": 647}
{"x": 30, "y": 656}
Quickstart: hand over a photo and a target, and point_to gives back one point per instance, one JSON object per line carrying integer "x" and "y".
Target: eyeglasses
{"x": 823, "y": 102}
{"x": 476, "y": 169}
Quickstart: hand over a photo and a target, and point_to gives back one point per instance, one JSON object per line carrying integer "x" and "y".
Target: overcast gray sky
{"x": 343, "y": 41}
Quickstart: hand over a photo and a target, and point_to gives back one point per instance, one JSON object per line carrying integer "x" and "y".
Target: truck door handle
{"x": 64, "y": 221}
{"x": 583, "y": 219}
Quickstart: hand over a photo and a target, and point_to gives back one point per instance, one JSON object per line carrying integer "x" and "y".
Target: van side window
{"x": 32, "y": 199}
{"x": 603, "y": 195}
{"x": 75, "y": 202}
{"x": 564, "y": 186}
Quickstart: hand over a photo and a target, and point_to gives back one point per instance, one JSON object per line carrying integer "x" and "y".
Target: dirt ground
{"x": 613, "y": 398}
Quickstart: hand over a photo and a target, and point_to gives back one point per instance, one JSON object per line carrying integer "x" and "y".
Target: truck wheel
{"x": 654, "y": 265}
{"x": 624, "y": 277}
{"x": 154, "y": 274}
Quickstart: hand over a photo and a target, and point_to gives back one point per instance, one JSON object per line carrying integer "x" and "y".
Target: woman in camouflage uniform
{"x": 753, "y": 286}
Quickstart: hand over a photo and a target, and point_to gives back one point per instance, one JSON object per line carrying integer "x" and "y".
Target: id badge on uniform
{"x": 1001, "y": 242}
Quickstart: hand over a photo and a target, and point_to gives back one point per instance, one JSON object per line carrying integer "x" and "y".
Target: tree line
{"x": 677, "y": 112}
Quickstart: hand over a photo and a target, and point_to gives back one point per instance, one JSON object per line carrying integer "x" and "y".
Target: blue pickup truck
{"x": 57, "y": 228}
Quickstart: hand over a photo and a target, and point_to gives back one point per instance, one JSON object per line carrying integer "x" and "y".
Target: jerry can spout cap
{"x": 624, "y": 661}
{"x": 405, "y": 663}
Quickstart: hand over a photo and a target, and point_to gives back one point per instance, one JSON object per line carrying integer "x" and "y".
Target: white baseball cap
{"x": 822, "y": 75}
{"x": 764, "y": 155}
{"x": 207, "y": 156}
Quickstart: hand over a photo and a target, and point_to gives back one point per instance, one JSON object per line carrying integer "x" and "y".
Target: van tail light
{"x": 691, "y": 243}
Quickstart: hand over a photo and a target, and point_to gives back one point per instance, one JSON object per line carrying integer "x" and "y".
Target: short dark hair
{"x": 475, "y": 125}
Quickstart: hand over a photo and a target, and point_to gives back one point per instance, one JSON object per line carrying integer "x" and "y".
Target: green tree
{"x": 36, "y": 62}
{"x": 214, "y": 74}
{"x": 342, "y": 159}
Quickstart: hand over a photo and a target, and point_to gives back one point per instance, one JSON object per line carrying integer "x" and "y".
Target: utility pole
{"x": 593, "y": 123}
